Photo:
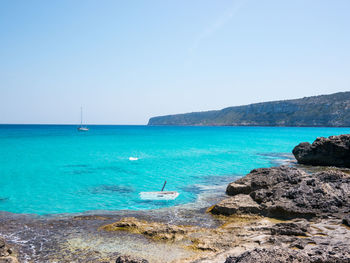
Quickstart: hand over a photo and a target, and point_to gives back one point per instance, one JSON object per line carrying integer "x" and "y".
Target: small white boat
{"x": 81, "y": 127}
{"x": 161, "y": 195}
{"x": 164, "y": 195}
{"x": 133, "y": 158}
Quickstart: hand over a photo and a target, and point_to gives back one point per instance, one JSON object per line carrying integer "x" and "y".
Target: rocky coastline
{"x": 280, "y": 214}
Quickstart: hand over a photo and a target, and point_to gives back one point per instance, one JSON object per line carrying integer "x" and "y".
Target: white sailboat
{"x": 81, "y": 127}
{"x": 162, "y": 195}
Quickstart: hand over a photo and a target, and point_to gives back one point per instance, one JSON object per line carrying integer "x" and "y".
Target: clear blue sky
{"x": 126, "y": 61}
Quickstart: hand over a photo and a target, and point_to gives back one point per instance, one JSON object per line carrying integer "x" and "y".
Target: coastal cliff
{"x": 325, "y": 110}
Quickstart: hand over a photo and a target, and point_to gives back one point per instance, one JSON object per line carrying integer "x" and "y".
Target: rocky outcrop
{"x": 249, "y": 239}
{"x": 323, "y": 242}
{"x": 263, "y": 178}
{"x": 291, "y": 193}
{"x": 290, "y": 229}
{"x": 331, "y": 151}
{"x": 130, "y": 259}
{"x": 239, "y": 204}
{"x": 278, "y": 254}
{"x": 270, "y": 255}
{"x": 287, "y": 192}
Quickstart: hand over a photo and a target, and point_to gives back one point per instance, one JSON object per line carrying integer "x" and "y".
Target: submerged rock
{"x": 154, "y": 230}
{"x": 243, "y": 231}
{"x": 192, "y": 237}
{"x": 331, "y": 151}
{"x": 286, "y": 192}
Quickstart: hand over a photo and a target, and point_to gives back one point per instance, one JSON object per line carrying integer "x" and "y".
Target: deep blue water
{"x": 47, "y": 169}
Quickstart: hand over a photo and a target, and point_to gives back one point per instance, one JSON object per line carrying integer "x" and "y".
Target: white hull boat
{"x": 161, "y": 195}
{"x": 81, "y": 127}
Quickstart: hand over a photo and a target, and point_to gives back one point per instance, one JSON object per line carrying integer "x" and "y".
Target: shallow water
{"x": 55, "y": 169}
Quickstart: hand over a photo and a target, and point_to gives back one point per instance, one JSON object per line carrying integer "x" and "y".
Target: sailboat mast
{"x": 81, "y": 127}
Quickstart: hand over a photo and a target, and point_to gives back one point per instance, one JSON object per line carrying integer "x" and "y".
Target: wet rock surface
{"x": 331, "y": 151}
{"x": 69, "y": 238}
{"x": 287, "y": 192}
{"x": 155, "y": 230}
{"x": 195, "y": 238}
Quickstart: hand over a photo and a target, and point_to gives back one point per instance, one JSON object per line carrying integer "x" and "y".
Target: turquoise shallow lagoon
{"x": 50, "y": 169}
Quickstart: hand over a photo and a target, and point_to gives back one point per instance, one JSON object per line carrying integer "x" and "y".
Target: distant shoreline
{"x": 317, "y": 111}
{"x": 164, "y": 125}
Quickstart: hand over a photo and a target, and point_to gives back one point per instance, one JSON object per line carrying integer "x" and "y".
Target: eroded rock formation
{"x": 130, "y": 259}
{"x": 331, "y": 151}
{"x": 287, "y": 192}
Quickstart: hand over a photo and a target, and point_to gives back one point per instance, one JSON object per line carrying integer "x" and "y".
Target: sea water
{"x": 51, "y": 169}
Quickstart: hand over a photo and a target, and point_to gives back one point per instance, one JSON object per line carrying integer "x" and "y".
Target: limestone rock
{"x": 239, "y": 204}
{"x": 152, "y": 230}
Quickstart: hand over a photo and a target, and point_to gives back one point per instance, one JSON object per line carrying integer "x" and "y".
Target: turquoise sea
{"x": 50, "y": 169}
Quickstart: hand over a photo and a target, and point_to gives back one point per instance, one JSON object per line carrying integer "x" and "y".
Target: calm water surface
{"x": 48, "y": 169}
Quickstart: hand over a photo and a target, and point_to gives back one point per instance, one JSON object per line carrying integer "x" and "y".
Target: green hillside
{"x": 324, "y": 110}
